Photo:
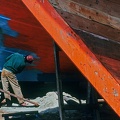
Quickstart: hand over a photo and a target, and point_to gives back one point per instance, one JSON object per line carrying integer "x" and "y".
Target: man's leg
{"x": 5, "y": 83}
{"x": 5, "y": 86}
{"x": 15, "y": 86}
{"x": 1, "y": 93}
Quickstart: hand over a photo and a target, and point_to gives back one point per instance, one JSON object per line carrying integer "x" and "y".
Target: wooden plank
{"x": 111, "y": 7}
{"x": 115, "y": 1}
{"x": 112, "y": 65}
{"x": 80, "y": 23}
{"x": 101, "y": 46}
{"x": 76, "y": 50}
{"x": 89, "y": 13}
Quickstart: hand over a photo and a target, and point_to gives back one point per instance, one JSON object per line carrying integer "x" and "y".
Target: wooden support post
{"x": 58, "y": 80}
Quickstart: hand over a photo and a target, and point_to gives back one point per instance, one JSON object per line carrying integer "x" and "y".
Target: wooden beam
{"x": 77, "y": 51}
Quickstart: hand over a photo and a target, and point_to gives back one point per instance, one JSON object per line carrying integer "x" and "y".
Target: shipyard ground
{"x": 45, "y": 93}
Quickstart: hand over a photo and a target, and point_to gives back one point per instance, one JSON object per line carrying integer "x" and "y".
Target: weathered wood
{"x": 80, "y": 23}
{"x": 115, "y": 1}
{"x": 101, "y": 46}
{"x": 88, "y": 12}
{"x": 111, "y": 7}
{"x": 112, "y": 65}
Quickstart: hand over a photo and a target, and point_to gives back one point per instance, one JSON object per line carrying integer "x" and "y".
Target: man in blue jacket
{"x": 15, "y": 63}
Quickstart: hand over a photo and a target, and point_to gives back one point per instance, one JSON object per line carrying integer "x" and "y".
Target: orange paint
{"x": 77, "y": 51}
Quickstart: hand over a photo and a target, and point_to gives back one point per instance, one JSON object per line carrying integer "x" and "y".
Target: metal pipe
{"x": 58, "y": 81}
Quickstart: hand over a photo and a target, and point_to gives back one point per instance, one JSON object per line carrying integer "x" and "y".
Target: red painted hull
{"x": 97, "y": 69}
{"x": 101, "y": 69}
{"x": 32, "y": 37}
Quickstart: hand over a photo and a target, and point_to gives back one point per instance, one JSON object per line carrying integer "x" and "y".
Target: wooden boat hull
{"x": 96, "y": 68}
{"x": 87, "y": 35}
{"x": 22, "y": 33}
